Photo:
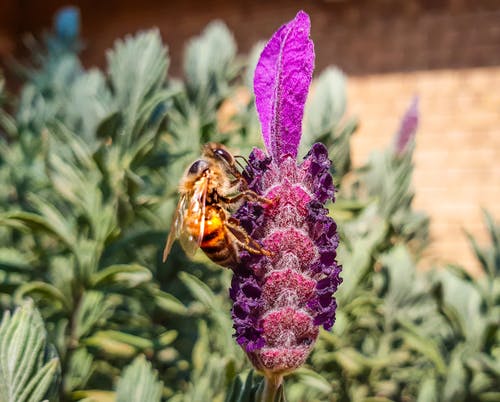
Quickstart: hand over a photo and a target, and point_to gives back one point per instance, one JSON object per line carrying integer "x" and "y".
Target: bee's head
{"x": 198, "y": 168}
{"x": 218, "y": 152}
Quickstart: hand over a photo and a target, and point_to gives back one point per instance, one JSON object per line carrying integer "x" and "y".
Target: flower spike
{"x": 407, "y": 129}
{"x": 281, "y": 299}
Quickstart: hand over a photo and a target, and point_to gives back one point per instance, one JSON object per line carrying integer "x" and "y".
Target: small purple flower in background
{"x": 281, "y": 300}
{"x": 407, "y": 129}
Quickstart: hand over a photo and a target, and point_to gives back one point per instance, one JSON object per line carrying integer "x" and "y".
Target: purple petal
{"x": 407, "y": 128}
{"x": 281, "y": 83}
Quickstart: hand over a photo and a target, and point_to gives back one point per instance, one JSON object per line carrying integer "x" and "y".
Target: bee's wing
{"x": 176, "y": 226}
{"x": 192, "y": 237}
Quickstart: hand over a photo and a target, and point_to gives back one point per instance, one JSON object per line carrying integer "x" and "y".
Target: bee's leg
{"x": 242, "y": 239}
{"x": 242, "y": 180}
{"x": 248, "y": 195}
{"x": 239, "y": 163}
{"x": 235, "y": 172}
{"x": 233, "y": 221}
{"x": 239, "y": 180}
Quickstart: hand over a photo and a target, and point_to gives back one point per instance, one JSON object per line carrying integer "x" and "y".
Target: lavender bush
{"x": 89, "y": 163}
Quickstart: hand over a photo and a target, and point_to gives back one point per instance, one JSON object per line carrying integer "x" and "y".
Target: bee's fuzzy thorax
{"x": 214, "y": 174}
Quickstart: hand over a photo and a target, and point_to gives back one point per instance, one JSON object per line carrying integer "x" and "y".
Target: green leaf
{"x": 44, "y": 290}
{"x": 357, "y": 261}
{"x": 94, "y": 308}
{"x": 208, "y": 61}
{"x": 128, "y": 275}
{"x": 489, "y": 397}
{"x": 198, "y": 289}
{"x": 27, "y": 370}
{"x": 167, "y": 337}
{"x": 170, "y": 303}
{"x": 40, "y": 223}
{"x": 493, "y": 229}
{"x": 132, "y": 340}
{"x": 427, "y": 347}
{"x": 327, "y": 103}
{"x": 110, "y": 346}
{"x": 92, "y": 395}
{"x": 137, "y": 68}
{"x": 313, "y": 380}
{"x": 139, "y": 383}
{"x": 108, "y": 127}
{"x": 455, "y": 387}
{"x": 13, "y": 260}
{"x": 479, "y": 252}
{"x": 427, "y": 391}
{"x": 79, "y": 370}
{"x": 89, "y": 102}
{"x": 352, "y": 360}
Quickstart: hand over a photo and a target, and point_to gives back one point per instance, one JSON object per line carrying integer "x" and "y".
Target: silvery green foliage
{"x": 216, "y": 360}
{"x": 139, "y": 383}
{"x": 243, "y": 389}
{"x": 209, "y": 62}
{"x": 137, "y": 86}
{"x": 28, "y": 366}
{"x": 488, "y": 257}
{"x": 471, "y": 308}
{"x": 89, "y": 164}
{"x": 325, "y": 120}
{"x": 209, "y": 67}
{"x": 87, "y": 186}
{"x": 90, "y": 101}
{"x": 387, "y": 179}
{"x": 70, "y": 200}
{"x": 7, "y": 123}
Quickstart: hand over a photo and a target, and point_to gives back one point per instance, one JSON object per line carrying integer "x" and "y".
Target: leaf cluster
{"x": 89, "y": 164}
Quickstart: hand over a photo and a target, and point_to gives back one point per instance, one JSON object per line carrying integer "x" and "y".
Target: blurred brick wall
{"x": 8, "y": 22}
{"x": 458, "y": 147}
{"x": 447, "y": 51}
{"x": 361, "y": 36}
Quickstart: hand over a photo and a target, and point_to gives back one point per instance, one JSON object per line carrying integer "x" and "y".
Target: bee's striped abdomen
{"x": 215, "y": 243}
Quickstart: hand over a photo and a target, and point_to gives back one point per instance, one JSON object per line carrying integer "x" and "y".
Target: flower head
{"x": 281, "y": 300}
{"x": 407, "y": 129}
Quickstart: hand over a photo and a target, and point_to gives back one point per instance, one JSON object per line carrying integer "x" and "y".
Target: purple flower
{"x": 407, "y": 129}
{"x": 281, "y": 300}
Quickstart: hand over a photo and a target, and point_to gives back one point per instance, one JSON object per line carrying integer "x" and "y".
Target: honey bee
{"x": 211, "y": 187}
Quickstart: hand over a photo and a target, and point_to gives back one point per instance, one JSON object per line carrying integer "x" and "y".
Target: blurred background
{"x": 89, "y": 165}
{"x": 445, "y": 51}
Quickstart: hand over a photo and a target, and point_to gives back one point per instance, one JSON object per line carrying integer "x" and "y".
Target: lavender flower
{"x": 280, "y": 301}
{"x": 407, "y": 129}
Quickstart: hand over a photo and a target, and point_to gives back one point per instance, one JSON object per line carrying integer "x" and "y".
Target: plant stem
{"x": 273, "y": 387}
{"x": 71, "y": 341}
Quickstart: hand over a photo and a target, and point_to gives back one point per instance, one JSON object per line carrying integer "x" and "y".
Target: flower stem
{"x": 273, "y": 389}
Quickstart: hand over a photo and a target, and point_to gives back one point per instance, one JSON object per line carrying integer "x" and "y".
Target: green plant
{"x": 29, "y": 367}
{"x": 89, "y": 163}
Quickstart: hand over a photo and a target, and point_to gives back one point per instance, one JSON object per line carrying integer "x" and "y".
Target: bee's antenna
{"x": 238, "y": 162}
{"x": 241, "y": 157}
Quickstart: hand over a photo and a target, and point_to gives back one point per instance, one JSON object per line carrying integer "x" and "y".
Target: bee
{"x": 210, "y": 187}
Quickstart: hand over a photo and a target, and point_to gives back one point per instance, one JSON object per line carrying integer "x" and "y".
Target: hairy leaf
{"x": 139, "y": 383}
{"x": 28, "y": 369}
